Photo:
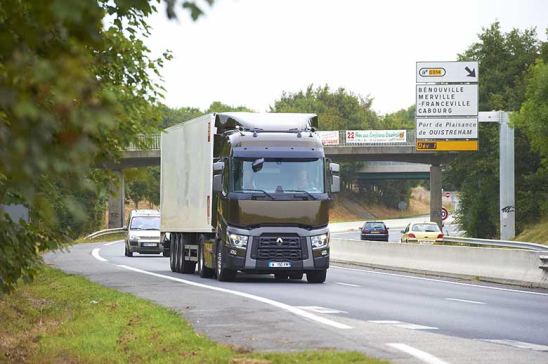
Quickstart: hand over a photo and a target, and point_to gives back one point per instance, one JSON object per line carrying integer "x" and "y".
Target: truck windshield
{"x": 279, "y": 175}
{"x": 145, "y": 223}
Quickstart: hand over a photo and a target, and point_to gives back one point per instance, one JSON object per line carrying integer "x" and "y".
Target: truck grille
{"x": 289, "y": 247}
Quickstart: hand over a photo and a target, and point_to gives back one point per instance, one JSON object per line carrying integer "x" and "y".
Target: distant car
{"x": 374, "y": 230}
{"x": 422, "y": 233}
{"x": 143, "y": 233}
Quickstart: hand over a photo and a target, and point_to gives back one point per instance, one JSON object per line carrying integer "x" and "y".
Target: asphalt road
{"x": 399, "y": 317}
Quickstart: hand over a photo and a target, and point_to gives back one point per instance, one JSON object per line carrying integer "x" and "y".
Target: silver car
{"x": 143, "y": 233}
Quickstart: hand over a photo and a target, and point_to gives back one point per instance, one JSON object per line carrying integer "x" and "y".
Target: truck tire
{"x": 187, "y": 266}
{"x": 223, "y": 274}
{"x": 172, "y": 258}
{"x": 316, "y": 276}
{"x": 203, "y": 271}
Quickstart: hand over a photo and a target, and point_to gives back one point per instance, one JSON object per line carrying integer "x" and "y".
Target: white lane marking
{"x": 466, "y": 301}
{"x": 283, "y": 306}
{"x": 114, "y": 242}
{"x": 441, "y": 280}
{"x": 384, "y": 322}
{"x": 419, "y": 354}
{"x": 95, "y": 253}
{"x": 347, "y": 284}
{"x": 320, "y": 309}
{"x": 294, "y": 310}
{"x": 403, "y": 325}
{"x": 519, "y": 344}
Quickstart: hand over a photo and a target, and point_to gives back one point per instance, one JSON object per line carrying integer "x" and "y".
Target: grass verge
{"x": 66, "y": 318}
{"x": 104, "y": 238}
{"x": 536, "y": 233}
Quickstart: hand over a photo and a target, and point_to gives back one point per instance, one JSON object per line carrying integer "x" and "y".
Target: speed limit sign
{"x": 444, "y": 213}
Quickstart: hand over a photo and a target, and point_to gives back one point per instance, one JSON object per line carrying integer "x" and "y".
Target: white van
{"x": 143, "y": 233}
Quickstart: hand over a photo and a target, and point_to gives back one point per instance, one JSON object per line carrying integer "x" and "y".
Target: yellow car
{"x": 422, "y": 233}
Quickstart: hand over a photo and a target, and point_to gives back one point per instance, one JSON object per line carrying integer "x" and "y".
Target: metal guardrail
{"x": 500, "y": 243}
{"x": 105, "y": 232}
{"x": 152, "y": 142}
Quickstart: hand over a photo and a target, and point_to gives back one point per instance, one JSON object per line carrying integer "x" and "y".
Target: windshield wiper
{"x": 254, "y": 190}
{"x": 303, "y": 191}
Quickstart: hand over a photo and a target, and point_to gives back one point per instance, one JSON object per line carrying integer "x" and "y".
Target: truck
{"x": 247, "y": 192}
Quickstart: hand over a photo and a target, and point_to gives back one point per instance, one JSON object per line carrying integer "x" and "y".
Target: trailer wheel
{"x": 316, "y": 276}
{"x": 223, "y": 274}
{"x": 178, "y": 253}
{"x": 172, "y": 252}
{"x": 203, "y": 271}
{"x": 187, "y": 266}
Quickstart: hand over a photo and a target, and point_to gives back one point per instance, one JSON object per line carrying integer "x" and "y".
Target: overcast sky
{"x": 246, "y": 52}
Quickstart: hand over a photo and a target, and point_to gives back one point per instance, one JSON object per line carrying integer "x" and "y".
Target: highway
{"x": 384, "y": 314}
{"x": 395, "y": 226}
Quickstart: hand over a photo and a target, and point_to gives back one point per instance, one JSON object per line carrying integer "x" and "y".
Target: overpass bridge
{"x": 146, "y": 152}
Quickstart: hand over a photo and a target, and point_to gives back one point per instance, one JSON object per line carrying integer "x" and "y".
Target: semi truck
{"x": 247, "y": 192}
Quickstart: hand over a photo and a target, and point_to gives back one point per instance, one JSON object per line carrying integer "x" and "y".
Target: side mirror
{"x": 387, "y": 228}
{"x": 335, "y": 184}
{"x": 124, "y": 227}
{"x": 217, "y": 183}
{"x": 334, "y": 167}
{"x": 402, "y": 231}
{"x": 218, "y": 166}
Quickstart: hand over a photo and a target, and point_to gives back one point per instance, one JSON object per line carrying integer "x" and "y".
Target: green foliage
{"x": 336, "y": 110}
{"x": 217, "y": 106}
{"x": 532, "y": 119}
{"x": 74, "y": 92}
{"x": 504, "y": 59}
{"x": 143, "y": 184}
{"x": 402, "y": 119}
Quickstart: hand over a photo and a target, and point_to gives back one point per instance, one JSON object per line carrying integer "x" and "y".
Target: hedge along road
{"x": 386, "y": 315}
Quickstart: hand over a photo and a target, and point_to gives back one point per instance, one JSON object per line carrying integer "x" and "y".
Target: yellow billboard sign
{"x": 447, "y": 145}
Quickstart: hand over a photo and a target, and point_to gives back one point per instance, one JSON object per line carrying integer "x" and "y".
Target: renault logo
{"x": 279, "y": 241}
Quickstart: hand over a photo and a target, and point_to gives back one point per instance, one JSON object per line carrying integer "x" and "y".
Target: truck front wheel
{"x": 223, "y": 274}
{"x": 316, "y": 276}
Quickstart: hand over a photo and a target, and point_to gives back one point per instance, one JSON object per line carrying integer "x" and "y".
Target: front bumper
{"x": 276, "y": 259}
{"x": 145, "y": 246}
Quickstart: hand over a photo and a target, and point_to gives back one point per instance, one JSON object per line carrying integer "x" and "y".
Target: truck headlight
{"x": 133, "y": 238}
{"x": 238, "y": 241}
{"x": 319, "y": 241}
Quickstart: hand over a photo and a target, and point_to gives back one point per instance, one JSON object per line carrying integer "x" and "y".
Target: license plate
{"x": 375, "y": 232}
{"x": 426, "y": 242}
{"x": 279, "y": 264}
{"x": 150, "y": 244}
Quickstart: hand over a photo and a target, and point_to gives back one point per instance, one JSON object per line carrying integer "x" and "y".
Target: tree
{"x": 75, "y": 91}
{"x": 532, "y": 118}
{"x": 336, "y": 110}
{"x": 504, "y": 59}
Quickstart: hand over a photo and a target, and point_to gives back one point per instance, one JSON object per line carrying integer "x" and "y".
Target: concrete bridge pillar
{"x": 116, "y": 202}
{"x": 435, "y": 194}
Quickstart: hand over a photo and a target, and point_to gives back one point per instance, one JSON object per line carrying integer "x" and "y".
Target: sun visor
{"x": 265, "y": 121}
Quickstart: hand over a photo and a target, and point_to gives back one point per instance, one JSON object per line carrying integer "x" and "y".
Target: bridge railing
{"x": 145, "y": 142}
{"x": 152, "y": 142}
